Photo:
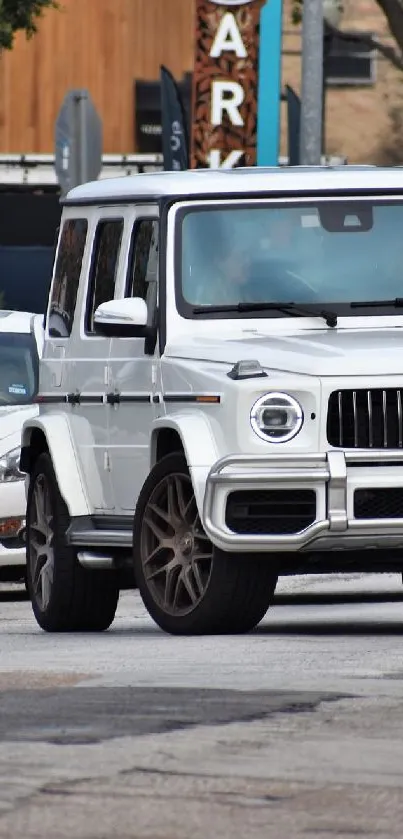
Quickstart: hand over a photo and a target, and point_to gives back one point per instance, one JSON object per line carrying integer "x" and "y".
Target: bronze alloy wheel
{"x": 176, "y": 553}
{"x": 65, "y": 597}
{"x": 41, "y": 555}
{"x": 188, "y": 585}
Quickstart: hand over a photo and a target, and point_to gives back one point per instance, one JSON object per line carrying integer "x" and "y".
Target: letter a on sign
{"x": 225, "y": 83}
{"x": 228, "y": 39}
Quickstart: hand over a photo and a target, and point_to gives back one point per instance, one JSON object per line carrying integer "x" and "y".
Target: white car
{"x": 21, "y": 343}
{"x": 221, "y": 393}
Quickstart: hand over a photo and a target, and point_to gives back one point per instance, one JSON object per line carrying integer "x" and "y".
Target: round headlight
{"x": 276, "y": 417}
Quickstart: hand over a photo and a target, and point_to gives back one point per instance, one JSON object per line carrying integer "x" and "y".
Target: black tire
{"x": 77, "y": 600}
{"x": 238, "y": 588}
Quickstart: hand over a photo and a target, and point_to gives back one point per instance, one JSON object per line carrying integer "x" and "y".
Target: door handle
{"x": 113, "y": 398}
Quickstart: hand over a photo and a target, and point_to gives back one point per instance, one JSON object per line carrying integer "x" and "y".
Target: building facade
{"x": 106, "y": 45}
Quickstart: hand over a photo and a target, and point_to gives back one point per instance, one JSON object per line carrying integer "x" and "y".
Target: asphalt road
{"x": 294, "y": 731}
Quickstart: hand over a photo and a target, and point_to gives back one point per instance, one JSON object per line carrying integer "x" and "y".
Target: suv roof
{"x": 218, "y": 182}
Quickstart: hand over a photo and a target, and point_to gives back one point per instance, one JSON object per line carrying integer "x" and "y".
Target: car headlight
{"x": 276, "y": 417}
{"x": 10, "y": 467}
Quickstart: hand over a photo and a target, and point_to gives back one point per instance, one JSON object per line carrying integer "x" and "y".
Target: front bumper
{"x": 334, "y": 476}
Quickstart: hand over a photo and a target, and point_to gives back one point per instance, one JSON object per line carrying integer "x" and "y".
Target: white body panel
{"x": 103, "y": 450}
{"x": 57, "y": 431}
{"x": 132, "y": 377}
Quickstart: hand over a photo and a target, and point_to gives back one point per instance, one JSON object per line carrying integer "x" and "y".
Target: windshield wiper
{"x": 290, "y": 309}
{"x": 397, "y": 303}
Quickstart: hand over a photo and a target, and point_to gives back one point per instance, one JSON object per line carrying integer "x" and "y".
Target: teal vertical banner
{"x": 269, "y": 91}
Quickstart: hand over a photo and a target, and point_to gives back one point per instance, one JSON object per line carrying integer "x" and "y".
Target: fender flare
{"x": 196, "y": 434}
{"x": 199, "y": 444}
{"x": 56, "y": 428}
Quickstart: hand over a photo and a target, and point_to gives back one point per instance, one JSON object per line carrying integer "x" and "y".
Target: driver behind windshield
{"x": 226, "y": 280}
{"x": 240, "y": 256}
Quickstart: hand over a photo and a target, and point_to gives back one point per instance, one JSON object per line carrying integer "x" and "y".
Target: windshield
{"x": 18, "y": 369}
{"x": 324, "y": 253}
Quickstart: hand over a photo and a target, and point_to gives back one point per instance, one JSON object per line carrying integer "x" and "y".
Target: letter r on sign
{"x": 226, "y": 97}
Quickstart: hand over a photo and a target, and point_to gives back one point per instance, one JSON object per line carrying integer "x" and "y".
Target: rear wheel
{"x": 188, "y": 586}
{"x": 65, "y": 597}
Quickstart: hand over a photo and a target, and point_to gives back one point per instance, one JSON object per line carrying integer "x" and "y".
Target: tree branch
{"x": 393, "y": 11}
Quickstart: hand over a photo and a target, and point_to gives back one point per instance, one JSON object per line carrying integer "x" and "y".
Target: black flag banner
{"x": 294, "y": 126}
{"x": 175, "y": 142}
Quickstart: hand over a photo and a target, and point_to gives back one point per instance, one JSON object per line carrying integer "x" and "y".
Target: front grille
{"x": 385, "y": 503}
{"x": 270, "y": 512}
{"x": 365, "y": 419}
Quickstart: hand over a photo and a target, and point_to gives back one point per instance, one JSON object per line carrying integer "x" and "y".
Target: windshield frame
{"x": 27, "y": 338}
{"x": 341, "y": 308}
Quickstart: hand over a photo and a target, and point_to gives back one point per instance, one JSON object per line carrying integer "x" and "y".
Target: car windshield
{"x": 326, "y": 253}
{"x": 18, "y": 369}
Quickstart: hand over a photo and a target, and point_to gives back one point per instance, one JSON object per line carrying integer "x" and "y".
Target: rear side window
{"x": 67, "y": 277}
{"x": 108, "y": 238}
{"x": 143, "y": 267}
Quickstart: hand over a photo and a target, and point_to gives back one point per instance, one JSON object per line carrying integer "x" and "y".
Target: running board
{"x": 103, "y": 532}
{"x": 99, "y": 538}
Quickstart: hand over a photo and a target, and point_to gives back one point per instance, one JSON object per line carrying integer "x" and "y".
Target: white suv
{"x": 21, "y": 340}
{"x": 221, "y": 394}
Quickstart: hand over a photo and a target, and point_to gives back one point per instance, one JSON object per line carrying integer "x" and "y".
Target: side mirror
{"x": 125, "y": 318}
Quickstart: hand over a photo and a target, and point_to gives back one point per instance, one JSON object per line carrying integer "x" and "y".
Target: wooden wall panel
{"x": 103, "y": 45}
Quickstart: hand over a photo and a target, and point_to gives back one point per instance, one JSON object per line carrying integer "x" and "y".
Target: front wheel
{"x": 187, "y": 585}
{"x": 65, "y": 597}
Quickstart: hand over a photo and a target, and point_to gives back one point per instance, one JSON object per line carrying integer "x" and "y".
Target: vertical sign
{"x": 225, "y": 83}
{"x": 78, "y": 141}
{"x": 268, "y": 138}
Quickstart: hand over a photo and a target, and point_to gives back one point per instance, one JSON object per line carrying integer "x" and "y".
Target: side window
{"x": 143, "y": 267}
{"x": 67, "y": 277}
{"x": 105, "y": 260}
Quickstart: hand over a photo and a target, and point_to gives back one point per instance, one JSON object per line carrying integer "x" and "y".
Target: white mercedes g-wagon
{"x": 221, "y": 394}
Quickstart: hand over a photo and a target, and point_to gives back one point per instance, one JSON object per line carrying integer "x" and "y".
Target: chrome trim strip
{"x": 355, "y": 419}
{"x": 274, "y": 475}
{"x": 337, "y": 491}
{"x": 205, "y": 398}
{"x": 378, "y": 455}
{"x": 117, "y": 398}
{"x": 370, "y": 427}
{"x": 100, "y": 538}
{"x": 366, "y": 524}
{"x": 340, "y": 404}
{"x": 385, "y": 419}
{"x": 50, "y": 399}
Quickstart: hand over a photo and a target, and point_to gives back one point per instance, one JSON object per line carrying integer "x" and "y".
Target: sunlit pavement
{"x": 295, "y": 730}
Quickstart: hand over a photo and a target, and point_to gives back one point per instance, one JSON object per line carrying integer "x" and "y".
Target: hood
{"x": 333, "y": 352}
{"x": 12, "y": 418}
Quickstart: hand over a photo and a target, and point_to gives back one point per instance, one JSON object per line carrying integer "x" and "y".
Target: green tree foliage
{"x": 393, "y": 11}
{"x": 22, "y": 15}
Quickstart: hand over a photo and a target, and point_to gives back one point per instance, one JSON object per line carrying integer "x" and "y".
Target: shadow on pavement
{"x": 341, "y": 627}
{"x": 13, "y": 596}
{"x": 323, "y": 599}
